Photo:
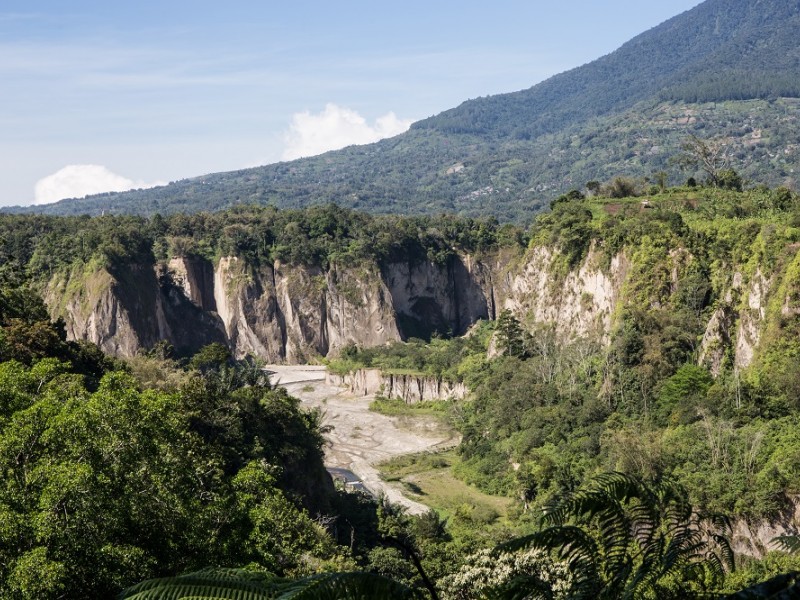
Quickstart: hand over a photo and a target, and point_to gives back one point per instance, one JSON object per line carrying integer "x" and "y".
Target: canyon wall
{"x": 408, "y": 387}
{"x": 282, "y": 313}
{"x": 296, "y": 314}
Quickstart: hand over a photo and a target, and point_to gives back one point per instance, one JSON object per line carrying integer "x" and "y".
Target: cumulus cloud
{"x": 334, "y": 128}
{"x": 77, "y": 181}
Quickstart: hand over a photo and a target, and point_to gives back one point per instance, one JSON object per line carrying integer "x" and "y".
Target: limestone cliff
{"x": 580, "y": 303}
{"x": 294, "y": 314}
{"x": 408, "y": 387}
{"x": 279, "y": 312}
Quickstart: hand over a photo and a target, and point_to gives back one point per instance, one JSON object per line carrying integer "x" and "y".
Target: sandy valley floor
{"x": 360, "y": 439}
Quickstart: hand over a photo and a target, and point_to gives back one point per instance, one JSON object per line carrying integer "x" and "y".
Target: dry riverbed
{"x": 360, "y": 438}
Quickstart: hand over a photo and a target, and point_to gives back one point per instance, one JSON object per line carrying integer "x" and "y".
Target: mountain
{"x": 727, "y": 69}
{"x": 747, "y": 44}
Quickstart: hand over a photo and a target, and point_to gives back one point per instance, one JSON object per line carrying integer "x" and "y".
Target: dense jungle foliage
{"x": 39, "y": 246}
{"x": 113, "y": 472}
{"x": 106, "y": 481}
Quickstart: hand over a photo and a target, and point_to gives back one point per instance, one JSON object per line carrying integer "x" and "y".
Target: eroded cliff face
{"x": 581, "y": 303}
{"x": 408, "y": 388}
{"x": 130, "y": 309}
{"x": 295, "y": 314}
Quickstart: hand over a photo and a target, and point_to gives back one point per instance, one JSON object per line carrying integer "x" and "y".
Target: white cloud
{"x": 334, "y": 128}
{"x": 77, "y": 181}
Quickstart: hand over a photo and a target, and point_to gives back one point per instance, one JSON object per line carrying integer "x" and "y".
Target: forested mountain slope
{"x": 725, "y": 69}
{"x": 718, "y": 38}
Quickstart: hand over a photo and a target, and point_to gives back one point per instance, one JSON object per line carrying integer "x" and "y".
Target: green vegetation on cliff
{"x": 680, "y": 390}
{"x": 41, "y": 246}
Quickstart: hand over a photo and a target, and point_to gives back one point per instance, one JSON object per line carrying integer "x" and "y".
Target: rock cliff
{"x": 407, "y": 387}
{"x": 279, "y": 312}
{"x": 295, "y": 314}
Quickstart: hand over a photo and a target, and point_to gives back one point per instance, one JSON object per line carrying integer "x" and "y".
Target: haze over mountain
{"x": 727, "y": 69}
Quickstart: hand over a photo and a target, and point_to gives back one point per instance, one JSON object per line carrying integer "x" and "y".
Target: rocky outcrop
{"x": 131, "y": 308}
{"x": 751, "y": 317}
{"x": 278, "y": 312}
{"x": 408, "y": 387}
{"x": 93, "y": 311}
{"x": 195, "y": 277}
{"x": 444, "y": 298}
{"x": 580, "y": 303}
{"x": 295, "y": 314}
{"x": 717, "y": 339}
{"x": 756, "y": 538}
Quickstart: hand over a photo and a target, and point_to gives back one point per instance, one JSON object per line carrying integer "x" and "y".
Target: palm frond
{"x": 622, "y": 538}
{"x": 725, "y": 550}
{"x": 568, "y": 540}
{"x": 237, "y": 584}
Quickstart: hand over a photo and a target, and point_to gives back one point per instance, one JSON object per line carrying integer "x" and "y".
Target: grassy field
{"x": 395, "y": 407}
{"x": 428, "y": 478}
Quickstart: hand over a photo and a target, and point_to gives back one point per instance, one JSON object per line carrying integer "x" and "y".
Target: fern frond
{"x": 346, "y": 586}
{"x": 210, "y": 584}
{"x": 235, "y": 584}
{"x": 787, "y": 543}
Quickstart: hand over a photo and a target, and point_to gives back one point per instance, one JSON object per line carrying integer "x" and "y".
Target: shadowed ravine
{"x": 360, "y": 438}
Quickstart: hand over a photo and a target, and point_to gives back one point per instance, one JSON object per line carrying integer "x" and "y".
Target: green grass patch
{"x": 396, "y": 407}
{"x": 428, "y": 478}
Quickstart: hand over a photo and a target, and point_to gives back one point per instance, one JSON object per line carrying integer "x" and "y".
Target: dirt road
{"x": 360, "y": 439}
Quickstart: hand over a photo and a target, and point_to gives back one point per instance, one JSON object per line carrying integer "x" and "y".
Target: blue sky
{"x": 151, "y": 92}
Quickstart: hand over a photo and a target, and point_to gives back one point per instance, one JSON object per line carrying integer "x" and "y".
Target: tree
{"x": 710, "y": 156}
{"x": 570, "y": 196}
{"x": 510, "y": 336}
{"x": 132, "y": 484}
{"x": 621, "y": 187}
{"x": 624, "y": 539}
{"x": 661, "y": 180}
{"x": 210, "y": 357}
{"x": 729, "y": 179}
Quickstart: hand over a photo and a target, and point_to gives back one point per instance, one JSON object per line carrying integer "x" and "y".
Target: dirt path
{"x": 360, "y": 439}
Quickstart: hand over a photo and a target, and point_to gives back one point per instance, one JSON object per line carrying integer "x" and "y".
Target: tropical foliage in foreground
{"x": 614, "y": 539}
{"x": 105, "y": 483}
{"x": 624, "y": 539}
{"x": 232, "y": 584}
